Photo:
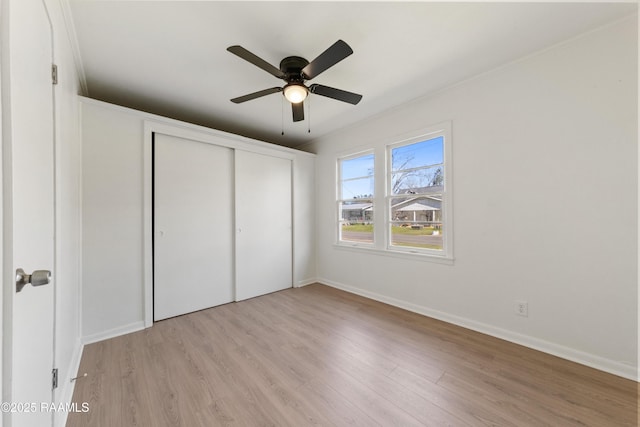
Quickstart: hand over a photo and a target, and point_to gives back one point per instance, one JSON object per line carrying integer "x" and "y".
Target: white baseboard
{"x": 115, "y": 332}
{"x": 611, "y": 366}
{"x": 67, "y": 386}
{"x": 304, "y": 282}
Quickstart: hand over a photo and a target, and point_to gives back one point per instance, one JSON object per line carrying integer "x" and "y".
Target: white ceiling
{"x": 170, "y": 58}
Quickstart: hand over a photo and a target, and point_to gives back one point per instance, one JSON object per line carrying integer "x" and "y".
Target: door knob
{"x": 37, "y": 278}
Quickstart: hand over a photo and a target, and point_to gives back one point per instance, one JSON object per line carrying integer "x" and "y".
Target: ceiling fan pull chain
{"x": 282, "y": 116}
{"x": 309, "y": 114}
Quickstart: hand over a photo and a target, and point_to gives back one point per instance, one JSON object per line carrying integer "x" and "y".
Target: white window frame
{"x": 381, "y": 149}
{"x": 444, "y": 130}
{"x": 340, "y": 199}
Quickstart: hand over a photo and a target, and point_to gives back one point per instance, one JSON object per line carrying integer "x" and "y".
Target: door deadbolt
{"x": 37, "y": 278}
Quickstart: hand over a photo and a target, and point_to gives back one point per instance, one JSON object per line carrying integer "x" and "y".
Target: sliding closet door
{"x": 263, "y": 224}
{"x": 193, "y": 226}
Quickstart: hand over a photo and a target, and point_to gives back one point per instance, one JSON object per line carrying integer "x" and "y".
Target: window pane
{"x": 358, "y": 167}
{"x": 417, "y": 222}
{"x": 416, "y": 181}
{"x": 425, "y": 153}
{"x": 416, "y": 237}
{"x": 357, "y": 188}
{"x": 356, "y": 221}
{"x": 355, "y": 202}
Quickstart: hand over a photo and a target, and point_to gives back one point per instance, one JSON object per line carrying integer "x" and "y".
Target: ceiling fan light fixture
{"x": 295, "y": 93}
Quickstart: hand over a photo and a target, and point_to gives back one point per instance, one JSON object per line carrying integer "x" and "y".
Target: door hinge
{"x": 54, "y": 378}
{"x": 54, "y": 74}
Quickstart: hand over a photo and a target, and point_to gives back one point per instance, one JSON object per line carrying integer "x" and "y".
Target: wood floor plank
{"x": 472, "y": 411}
{"x": 320, "y": 356}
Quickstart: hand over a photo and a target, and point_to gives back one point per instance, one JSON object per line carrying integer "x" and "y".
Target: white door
{"x": 263, "y": 224}
{"x": 193, "y": 226}
{"x": 29, "y": 193}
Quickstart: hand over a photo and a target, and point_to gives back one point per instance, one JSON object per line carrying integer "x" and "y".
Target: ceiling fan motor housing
{"x": 292, "y": 67}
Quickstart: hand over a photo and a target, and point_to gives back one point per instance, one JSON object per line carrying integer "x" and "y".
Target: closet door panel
{"x": 193, "y": 226}
{"x": 263, "y": 224}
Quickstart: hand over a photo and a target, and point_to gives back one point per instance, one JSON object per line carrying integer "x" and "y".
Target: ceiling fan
{"x": 295, "y": 70}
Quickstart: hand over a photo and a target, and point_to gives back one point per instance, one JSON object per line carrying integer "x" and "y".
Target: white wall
{"x": 112, "y": 273}
{"x": 545, "y": 194}
{"x": 304, "y": 220}
{"x": 113, "y": 216}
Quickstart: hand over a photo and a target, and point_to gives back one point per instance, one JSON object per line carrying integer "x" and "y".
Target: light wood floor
{"x": 320, "y": 356}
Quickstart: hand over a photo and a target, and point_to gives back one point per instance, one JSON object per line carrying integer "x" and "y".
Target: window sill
{"x": 395, "y": 254}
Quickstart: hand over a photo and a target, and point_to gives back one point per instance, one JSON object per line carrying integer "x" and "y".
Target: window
{"x": 355, "y": 199}
{"x": 415, "y": 202}
{"x": 411, "y": 182}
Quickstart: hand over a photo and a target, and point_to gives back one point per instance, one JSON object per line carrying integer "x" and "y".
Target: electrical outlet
{"x": 522, "y": 308}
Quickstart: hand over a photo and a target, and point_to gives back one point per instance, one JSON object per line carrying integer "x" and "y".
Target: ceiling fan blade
{"x": 330, "y": 57}
{"x": 255, "y": 95}
{"x": 340, "y": 95}
{"x": 255, "y": 60}
{"x": 298, "y": 111}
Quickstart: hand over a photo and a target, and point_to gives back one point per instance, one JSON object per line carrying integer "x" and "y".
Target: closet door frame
{"x": 196, "y": 133}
